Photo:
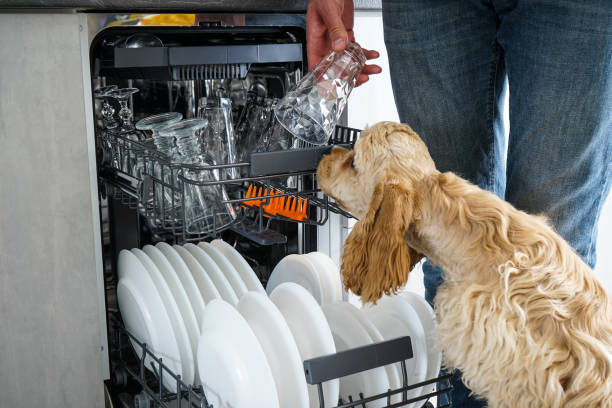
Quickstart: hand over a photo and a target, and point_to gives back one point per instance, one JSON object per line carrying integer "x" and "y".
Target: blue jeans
{"x": 449, "y": 61}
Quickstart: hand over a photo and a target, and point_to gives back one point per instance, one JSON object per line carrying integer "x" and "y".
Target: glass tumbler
{"x": 203, "y": 207}
{"x": 312, "y": 108}
{"x": 164, "y": 145}
{"x": 218, "y": 138}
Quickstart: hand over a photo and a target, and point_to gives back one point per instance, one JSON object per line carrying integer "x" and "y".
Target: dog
{"x": 519, "y": 312}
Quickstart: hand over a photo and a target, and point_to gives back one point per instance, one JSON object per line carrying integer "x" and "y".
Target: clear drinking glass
{"x": 122, "y": 95}
{"x": 165, "y": 145}
{"x": 122, "y": 153}
{"x": 107, "y": 112}
{"x": 251, "y": 125}
{"x": 107, "y": 122}
{"x": 218, "y": 138}
{"x": 312, "y": 108}
{"x": 204, "y": 211}
{"x": 154, "y": 124}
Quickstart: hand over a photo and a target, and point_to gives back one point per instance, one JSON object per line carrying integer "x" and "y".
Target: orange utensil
{"x": 288, "y": 206}
{"x": 294, "y": 208}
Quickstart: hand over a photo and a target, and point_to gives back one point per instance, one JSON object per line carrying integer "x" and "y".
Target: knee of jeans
{"x": 432, "y": 278}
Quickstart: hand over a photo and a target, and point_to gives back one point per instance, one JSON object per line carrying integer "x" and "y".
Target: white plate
{"x": 348, "y": 333}
{"x": 182, "y": 336}
{"x": 145, "y": 316}
{"x": 230, "y": 272}
{"x": 430, "y": 325}
{"x": 310, "y": 331}
{"x": 205, "y": 285}
{"x": 392, "y": 370}
{"x": 399, "y": 308}
{"x": 328, "y": 272}
{"x": 231, "y": 362}
{"x": 242, "y": 266}
{"x": 392, "y": 327}
{"x": 214, "y": 272}
{"x": 279, "y": 347}
{"x": 178, "y": 292}
{"x": 184, "y": 275}
{"x": 298, "y": 269}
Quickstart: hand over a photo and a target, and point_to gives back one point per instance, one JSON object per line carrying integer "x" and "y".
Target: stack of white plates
{"x": 163, "y": 293}
{"x": 204, "y": 311}
{"x": 315, "y": 272}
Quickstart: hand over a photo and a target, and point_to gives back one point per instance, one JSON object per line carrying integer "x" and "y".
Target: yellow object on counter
{"x": 156, "y": 20}
{"x": 168, "y": 20}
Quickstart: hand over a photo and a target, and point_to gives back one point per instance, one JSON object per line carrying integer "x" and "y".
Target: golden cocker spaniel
{"x": 520, "y": 314}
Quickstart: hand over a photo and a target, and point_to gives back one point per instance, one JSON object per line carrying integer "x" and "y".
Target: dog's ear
{"x": 376, "y": 259}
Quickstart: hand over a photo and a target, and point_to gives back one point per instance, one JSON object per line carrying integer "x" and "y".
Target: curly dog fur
{"x": 520, "y": 314}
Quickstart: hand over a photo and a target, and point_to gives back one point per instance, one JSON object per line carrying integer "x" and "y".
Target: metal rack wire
{"x": 148, "y": 378}
{"x": 317, "y": 371}
{"x": 287, "y": 174}
{"x": 285, "y": 177}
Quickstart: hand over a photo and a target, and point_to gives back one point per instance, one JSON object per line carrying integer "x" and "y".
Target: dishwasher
{"x": 144, "y": 196}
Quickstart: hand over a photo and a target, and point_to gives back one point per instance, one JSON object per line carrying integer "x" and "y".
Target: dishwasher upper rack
{"x": 285, "y": 179}
{"x": 316, "y": 371}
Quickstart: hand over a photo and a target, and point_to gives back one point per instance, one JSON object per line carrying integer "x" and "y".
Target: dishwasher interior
{"x": 270, "y": 207}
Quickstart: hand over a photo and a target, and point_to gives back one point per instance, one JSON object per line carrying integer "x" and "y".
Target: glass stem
{"x": 125, "y": 114}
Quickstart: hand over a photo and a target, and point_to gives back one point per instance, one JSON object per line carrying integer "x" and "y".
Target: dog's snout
{"x": 338, "y": 150}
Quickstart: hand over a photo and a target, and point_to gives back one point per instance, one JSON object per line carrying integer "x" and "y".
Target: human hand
{"x": 329, "y": 26}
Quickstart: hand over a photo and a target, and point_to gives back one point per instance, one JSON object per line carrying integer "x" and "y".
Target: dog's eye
{"x": 353, "y": 162}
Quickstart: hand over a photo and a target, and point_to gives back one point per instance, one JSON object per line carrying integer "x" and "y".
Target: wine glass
{"x": 107, "y": 122}
{"x": 122, "y": 95}
{"x": 126, "y": 129}
{"x": 107, "y": 112}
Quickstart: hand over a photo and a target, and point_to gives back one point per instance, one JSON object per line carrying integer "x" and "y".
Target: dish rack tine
{"x": 404, "y": 379}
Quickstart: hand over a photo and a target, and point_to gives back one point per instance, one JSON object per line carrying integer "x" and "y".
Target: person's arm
{"x": 329, "y": 26}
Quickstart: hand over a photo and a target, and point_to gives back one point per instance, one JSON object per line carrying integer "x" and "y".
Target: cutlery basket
{"x": 131, "y": 370}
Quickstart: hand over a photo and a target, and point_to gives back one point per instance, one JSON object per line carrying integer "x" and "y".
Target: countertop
{"x": 177, "y": 5}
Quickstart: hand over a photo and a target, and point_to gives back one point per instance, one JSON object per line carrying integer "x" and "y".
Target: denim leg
{"x": 447, "y": 72}
{"x": 448, "y": 75}
{"x": 559, "y": 63}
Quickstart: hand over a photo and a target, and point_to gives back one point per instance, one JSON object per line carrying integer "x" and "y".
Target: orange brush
{"x": 288, "y": 206}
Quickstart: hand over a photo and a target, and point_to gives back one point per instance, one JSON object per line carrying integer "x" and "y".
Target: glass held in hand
{"x": 311, "y": 109}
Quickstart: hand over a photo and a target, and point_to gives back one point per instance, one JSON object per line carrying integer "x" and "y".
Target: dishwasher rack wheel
{"x": 142, "y": 400}
{"x": 120, "y": 377}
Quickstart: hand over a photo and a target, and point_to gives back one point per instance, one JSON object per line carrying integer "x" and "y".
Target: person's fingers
{"x": 371, "y": 69}
{"x": 361, "y": 79}
{"x": 351, "y": 35}
{"x": 366, "y": 72}
{"x": 371, "y": 54}
{"x": 332, "y": 17}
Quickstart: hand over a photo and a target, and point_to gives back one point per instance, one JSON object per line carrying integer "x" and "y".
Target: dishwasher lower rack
{"x": 317, "y": 371}
{"x": 278, "y": 185}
